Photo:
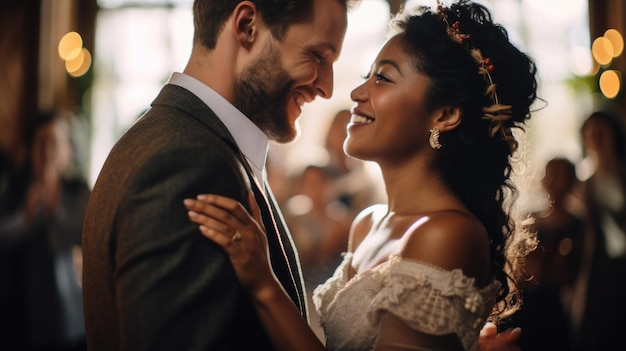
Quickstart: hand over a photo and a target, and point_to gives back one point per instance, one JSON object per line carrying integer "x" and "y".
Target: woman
{"x": 426, "y": 270}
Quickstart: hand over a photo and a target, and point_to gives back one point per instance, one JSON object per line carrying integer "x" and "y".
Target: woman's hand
{"x": 227, "y": 223}
{"x": 490, "y": 340}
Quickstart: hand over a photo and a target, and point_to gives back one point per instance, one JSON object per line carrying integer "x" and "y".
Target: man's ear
{"x": 245, "y": 21}
{"x": 448, "y": 118}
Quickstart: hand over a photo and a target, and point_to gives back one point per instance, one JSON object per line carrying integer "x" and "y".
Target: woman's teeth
{"x": 361, "y": 119}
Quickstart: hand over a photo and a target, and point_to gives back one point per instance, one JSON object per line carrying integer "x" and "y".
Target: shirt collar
{"x": 252, "y": 142}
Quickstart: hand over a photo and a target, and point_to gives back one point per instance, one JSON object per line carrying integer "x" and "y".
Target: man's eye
{"x": 320, "y": 57}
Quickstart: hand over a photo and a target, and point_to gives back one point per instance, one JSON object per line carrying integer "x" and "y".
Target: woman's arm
{"x": 220, "y": 218}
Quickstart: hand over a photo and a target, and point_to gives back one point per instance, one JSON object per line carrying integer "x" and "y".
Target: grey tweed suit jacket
{"x": 151, "y": 281}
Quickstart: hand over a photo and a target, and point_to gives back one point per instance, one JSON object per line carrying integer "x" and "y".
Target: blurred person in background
{"x": 599, "y": 313}
{"x": 40, "y": 239}
{"x": 320, "y": 224}
{"x": 555, "y": 264}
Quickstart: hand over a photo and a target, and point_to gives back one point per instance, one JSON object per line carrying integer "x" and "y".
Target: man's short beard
{"x": 262, "y": 93}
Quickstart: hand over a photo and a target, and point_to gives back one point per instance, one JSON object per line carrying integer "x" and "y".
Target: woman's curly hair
{"x": 474, "y": 162}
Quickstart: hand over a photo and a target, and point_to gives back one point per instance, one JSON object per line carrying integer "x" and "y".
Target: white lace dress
{"x": 426, "y": 298}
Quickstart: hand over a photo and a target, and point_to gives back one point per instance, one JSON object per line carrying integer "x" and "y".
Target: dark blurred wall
{"x": 32, "y": 75}
{"x": 603, "y": 15}
{"x": 19, "y": 32}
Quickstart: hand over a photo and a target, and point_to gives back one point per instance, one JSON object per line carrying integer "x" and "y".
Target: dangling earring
{"x": 434, "y": 138}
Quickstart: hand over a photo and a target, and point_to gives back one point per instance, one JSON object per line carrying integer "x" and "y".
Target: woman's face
{"x": 389, "y": 121}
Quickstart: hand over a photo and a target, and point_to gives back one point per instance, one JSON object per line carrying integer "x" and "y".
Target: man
{"x": 151, "y": 281}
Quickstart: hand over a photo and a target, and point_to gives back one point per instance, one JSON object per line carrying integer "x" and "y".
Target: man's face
{"x": 289, "y": 73}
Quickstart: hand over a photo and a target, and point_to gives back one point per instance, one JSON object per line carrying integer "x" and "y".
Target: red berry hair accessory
{"x": 498, "y": 114}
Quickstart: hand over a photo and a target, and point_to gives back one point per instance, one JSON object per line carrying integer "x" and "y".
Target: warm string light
{"x": 604, "y": 49}
{"x": 77, "y": 58}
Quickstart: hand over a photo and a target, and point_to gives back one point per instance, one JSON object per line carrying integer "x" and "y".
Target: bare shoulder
{"x": 450, "y": 240}
{"x": 363, "y": 223}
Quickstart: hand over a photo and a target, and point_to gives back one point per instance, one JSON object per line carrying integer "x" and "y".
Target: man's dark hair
{"x": 209, "y": 16}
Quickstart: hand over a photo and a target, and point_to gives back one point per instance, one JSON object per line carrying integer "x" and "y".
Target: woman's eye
{"x": 377, "y": 77}
{"x": 380, "y": 77}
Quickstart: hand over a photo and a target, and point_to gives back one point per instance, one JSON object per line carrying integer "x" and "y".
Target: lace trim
{"x": 427, "y": 298}
{"x": 332, "y": 285}
{"x": 432, "y": 300}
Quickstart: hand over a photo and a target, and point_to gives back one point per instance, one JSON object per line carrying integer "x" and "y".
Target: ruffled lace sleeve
{"x": 324, "y": 294}
{"x": 432, "y": 300}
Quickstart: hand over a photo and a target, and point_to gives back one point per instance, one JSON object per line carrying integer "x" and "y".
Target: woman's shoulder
{"x": 450, "y": 240}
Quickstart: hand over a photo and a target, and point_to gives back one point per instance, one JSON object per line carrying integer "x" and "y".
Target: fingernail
{"x": 202, "y": 197}
{"x": 189, "y": 202}
{"x": 192, "y": 213}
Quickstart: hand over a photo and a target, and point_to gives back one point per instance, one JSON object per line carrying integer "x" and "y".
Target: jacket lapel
{"x": 290, "y": 253}
{"x": 285, "y": 263}
{"x": 182, "y": 99}
{"x": 283, "y": 256}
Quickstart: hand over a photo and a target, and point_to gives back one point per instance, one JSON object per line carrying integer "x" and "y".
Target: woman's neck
{"x": 414, "y": 188}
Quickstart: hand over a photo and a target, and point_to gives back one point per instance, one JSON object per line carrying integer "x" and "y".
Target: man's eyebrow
{"x": 327, "y": 47}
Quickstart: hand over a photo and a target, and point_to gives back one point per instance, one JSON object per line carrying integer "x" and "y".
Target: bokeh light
{"x": 75, "y": 63}
{"x": 617, "y": 41}
{"x": 84, "y": 66}
{"x": 602, "y": 50}
{"x": 77, "y": 59}
{"x": 610, "y": 82}
{"x": 70, "y": 46}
